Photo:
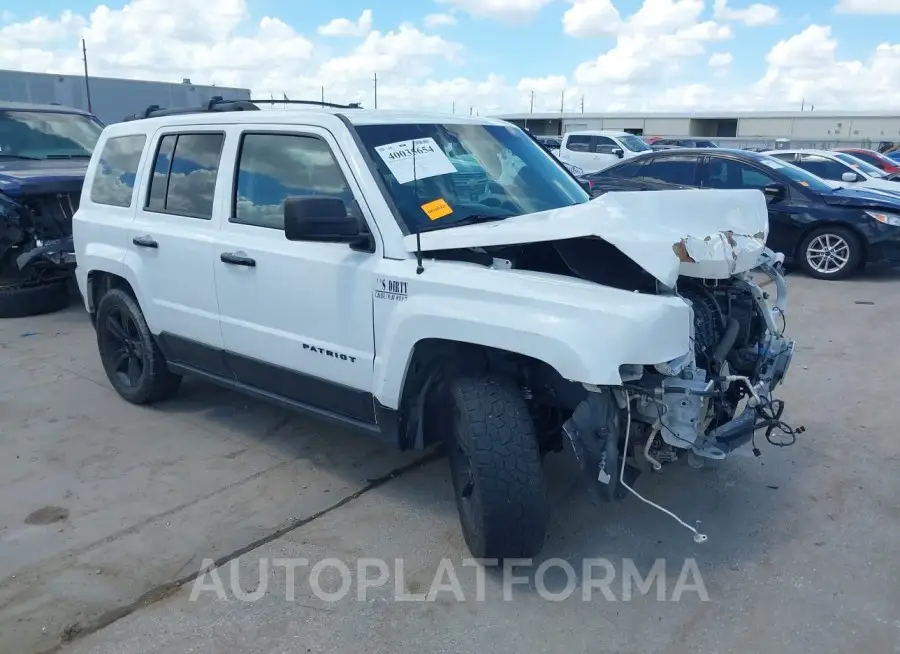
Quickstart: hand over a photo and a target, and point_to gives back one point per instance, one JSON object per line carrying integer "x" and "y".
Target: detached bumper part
{"x": 58, "y": 253}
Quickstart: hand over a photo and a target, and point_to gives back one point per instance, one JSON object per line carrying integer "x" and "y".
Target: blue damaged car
{"x": 44, "y": 153}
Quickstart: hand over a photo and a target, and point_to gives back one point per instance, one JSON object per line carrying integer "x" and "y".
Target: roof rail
{"x": 318, "y": 103}
{"x": 217, "y": 103}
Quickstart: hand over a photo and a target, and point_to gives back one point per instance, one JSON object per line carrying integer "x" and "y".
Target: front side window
{"x": 47, "y": 135}
{"x": 823, "y": 167}
{"x": 117, "y": 169}
{"x": 732, "y": 174}
{"x": 438, "y": 174}
{"x": 184, "y": 174}
{"x": 272, "y": 167}
{"x": 625, "y": 170}
{"x": 634, "y": 143}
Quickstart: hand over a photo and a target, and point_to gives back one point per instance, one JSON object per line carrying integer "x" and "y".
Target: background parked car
{"x": 840, "y": 168}
{"x": 597, "y": 149}
{"x": 828, "y": 231}
{"x": 552, "y": 143}
{"x": 880, "y": 161}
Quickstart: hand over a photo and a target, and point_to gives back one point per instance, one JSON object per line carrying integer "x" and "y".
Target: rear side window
{"x": 272, "y": 167}
{"x": 624, "y": 171}
{"x": 578, "y": 143}
{"x": 117, "y": 170}
{"x": 184, "y": 174}
{"x": 672, "y": 170}
{"x": 823, "y": 167}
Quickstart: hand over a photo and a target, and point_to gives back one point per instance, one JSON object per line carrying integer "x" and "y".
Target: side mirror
{"x": 319, "y": 218}
{"x": 619, "y": 152}
{"x": 850, "y": 177}
{"x": 774, "y": 193}
{"x": 586, "y": 185}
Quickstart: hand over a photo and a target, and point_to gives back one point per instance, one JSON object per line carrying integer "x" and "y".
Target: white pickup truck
{"x": 593, "y": 150}
{"x": 328, "y": 260}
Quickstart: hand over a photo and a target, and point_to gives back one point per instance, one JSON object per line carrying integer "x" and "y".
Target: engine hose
{"x": 727, "y": 342}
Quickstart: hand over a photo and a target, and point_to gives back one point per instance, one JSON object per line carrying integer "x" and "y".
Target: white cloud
{"x": 643, "y": 67}
{"x": 508, "y": 11}
{"x": 652, "y": 43}
{"x": 592, "y": 18}
{"x": 721, "y": 60}
{"x": 755, "y": 15}
{"x": 882, "y": 7}
{"x": 439, "y": 20}
{"x": 347, "y": 27}
{"x": 805, "y": 67}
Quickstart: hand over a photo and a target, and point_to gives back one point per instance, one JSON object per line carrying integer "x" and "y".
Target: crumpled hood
{"x": 20, "y": 177}
{"x": 710, "y": 234}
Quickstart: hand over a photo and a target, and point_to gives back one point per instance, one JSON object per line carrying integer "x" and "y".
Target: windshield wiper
{"x": 471, "y": 219}
{"x": 68, "y": 156}
{"x": 19, "y": 156}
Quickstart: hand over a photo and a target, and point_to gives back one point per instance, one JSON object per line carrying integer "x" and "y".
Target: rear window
{"x": 116, "y": 170}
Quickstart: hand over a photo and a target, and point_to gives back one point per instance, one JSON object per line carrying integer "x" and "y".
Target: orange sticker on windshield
{"x": 437, "y": 209}
{"x": 803, "y": 183}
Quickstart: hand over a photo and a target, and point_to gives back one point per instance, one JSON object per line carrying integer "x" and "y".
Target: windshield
{"x": 859, "y": 164}
{"x": 798, "y": 175}
{"x": 47, "y": 134}
{"x": 461, "y": 172}
{"x": 634, "y": 143}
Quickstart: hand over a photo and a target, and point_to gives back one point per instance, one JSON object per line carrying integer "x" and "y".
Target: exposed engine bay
{"x": 36, "y": 234}
{"x": 701, "y": 406}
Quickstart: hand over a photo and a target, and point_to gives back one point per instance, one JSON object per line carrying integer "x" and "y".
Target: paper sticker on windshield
{"x": 419, "y": 159}
{"x": 803, "y": 183}
{"x": 437, "y": 209}
{"x": 773, "y": 164}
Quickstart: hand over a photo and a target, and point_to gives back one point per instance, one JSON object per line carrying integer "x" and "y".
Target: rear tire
{"x": 495, "y": 463}
{"x": 830, "y": 252}
{"x": 133, "y": 362}
{"x": 20, "y": 298}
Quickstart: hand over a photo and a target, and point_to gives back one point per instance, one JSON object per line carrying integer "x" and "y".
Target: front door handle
{"x": 237, "y": 259}
{"x": 145, "y": 242}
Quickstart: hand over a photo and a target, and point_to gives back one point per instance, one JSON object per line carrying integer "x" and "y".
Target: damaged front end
{"x": 36, "y": 235}
{"x": 712, "y": 400}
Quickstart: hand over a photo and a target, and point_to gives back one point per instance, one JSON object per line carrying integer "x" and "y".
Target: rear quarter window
{"x": 116, "y": 171}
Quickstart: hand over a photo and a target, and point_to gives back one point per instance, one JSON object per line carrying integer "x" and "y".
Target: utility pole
{"x": 454, "y": 107}
{"x": 802, "y": 104}
{"x": 532, "y": 103}
{"x": 376, "y": 90}
{"x": 470, "y": 110}
{"x": 323, "y": 95}
{"x": 87, "y": 82}
{"x": 562, "y": 101}
{"x": 582, "y": 103}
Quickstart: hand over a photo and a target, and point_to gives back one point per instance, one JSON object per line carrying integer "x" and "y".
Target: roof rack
{"x": 217, "y": 103}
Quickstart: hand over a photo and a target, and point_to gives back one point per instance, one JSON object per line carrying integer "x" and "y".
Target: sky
{"x": 484, "y": 56}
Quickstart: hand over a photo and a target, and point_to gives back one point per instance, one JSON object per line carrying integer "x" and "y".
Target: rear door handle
{"x": 237, "y": 259}
{"x": 145, "y": 242}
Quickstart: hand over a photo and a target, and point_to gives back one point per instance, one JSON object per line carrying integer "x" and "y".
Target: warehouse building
{"x": 111, "y": 99}
{"x": 738, "y": 129}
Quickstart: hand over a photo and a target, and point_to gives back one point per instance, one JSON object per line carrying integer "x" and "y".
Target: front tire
{"x": 830, "y": 252}
{"x": 133, "y": 363}
{"x": 495, "y": 463}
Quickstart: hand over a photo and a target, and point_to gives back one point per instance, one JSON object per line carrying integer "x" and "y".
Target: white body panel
{"x": 868, "y": 181}
{"x": 722, "y": 232}
{"x": 584, "y": 330}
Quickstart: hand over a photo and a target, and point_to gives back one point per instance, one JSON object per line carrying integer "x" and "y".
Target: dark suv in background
{"x": 44, "y": 153}
{"x": 829, "y": 232}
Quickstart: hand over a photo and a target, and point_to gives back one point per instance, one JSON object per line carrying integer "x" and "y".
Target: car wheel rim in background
{"x": 828, "y": 253}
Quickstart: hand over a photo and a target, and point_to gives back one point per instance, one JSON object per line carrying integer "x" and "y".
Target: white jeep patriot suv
{"x": 340, "y": 262}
